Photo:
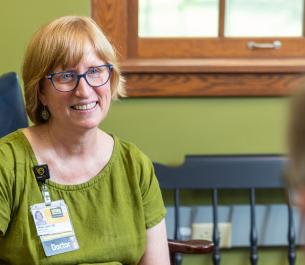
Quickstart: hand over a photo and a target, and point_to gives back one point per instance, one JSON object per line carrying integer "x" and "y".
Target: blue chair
{"x": 12, "y": 111}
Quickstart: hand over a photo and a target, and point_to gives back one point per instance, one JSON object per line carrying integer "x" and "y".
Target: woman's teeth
{"x": 85, "y": 107}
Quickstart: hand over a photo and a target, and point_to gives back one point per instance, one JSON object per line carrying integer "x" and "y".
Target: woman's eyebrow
{"x": 66, "y": 70}
{"x": 74, "y": 69}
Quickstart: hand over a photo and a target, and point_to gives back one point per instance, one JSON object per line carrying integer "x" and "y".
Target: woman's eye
{"x": 64, "y": 77}
{"x": 67, "y": 76}
{"x": 94, "y": 70}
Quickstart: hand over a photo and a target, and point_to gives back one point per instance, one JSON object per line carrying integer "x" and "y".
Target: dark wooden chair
{"x": 12, "y": 111}
{"x": 250, "y": 172}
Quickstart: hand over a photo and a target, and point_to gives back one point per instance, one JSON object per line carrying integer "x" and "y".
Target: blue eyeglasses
{"x": 95, "y": 77}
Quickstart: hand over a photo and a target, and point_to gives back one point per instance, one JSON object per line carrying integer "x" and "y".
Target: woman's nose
{"x": 83, "y": 89}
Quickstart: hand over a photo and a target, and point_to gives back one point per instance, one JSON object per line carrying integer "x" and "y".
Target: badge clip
{"x": 42, "y": 174}
{"x": 46, "y": 195}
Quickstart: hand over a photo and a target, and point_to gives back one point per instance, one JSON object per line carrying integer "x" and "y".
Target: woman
{"x": 99, "y": 194}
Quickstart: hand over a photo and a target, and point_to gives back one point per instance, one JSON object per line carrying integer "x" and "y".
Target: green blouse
{"x": 110, "y": 213}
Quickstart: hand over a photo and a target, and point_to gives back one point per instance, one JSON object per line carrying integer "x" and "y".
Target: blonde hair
{"x": 62, "y": 43}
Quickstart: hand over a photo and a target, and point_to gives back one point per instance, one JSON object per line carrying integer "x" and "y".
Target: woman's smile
{"x": 85, "y": 107}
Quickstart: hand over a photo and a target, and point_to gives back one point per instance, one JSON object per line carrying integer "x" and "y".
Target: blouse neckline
{"x": 70, "y": 187}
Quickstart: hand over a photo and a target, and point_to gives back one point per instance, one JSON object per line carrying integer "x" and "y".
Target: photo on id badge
{"x": 39, "y": 218}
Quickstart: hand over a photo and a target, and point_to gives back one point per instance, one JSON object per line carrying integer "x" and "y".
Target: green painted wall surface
{"x": 166, "y": 129}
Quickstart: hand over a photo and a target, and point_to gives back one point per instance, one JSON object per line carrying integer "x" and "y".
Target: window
{"x": 250, "y": 48}
{"x": 178, "y": 18}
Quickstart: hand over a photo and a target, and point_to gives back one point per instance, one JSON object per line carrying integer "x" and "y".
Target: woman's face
{"x": 82, "y": 108}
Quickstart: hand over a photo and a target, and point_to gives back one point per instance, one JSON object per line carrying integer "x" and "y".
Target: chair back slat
{"x": 177, "y": 257}
{"x": 253, "y": 230}
{"x": 216, "y": 236}
{"x": 177, "y": 214}
{"x": 291, "y": 234}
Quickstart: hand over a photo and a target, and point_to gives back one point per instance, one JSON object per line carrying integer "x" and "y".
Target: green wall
{"x": 166, "y": 129}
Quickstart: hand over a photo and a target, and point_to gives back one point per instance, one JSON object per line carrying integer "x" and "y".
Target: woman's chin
{"x": 86, "y": 124}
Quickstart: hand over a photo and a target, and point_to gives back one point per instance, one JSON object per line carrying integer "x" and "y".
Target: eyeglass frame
{"x": 79, "y": 76}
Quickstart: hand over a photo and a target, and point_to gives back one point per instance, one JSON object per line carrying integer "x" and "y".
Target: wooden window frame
{"x": 187, "y": 67}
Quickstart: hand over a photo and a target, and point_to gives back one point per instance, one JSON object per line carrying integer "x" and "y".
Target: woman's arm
{"x": 156, "y": 251}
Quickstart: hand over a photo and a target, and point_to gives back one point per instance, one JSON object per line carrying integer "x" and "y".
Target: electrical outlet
{"x": 205, "y": 231}
{"x": 185, "y": 232}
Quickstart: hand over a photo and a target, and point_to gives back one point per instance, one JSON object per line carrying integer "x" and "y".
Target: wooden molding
{"x": 213, "y": 66}
{"x": 217, "y": 48}
{"x": 212, "y": 84}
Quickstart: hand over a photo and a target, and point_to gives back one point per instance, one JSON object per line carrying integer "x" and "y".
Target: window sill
{"x": 285, "y": 65}
{"x": 212, "y": 78}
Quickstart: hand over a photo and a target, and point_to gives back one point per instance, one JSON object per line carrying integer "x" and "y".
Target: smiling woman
{"x": 96, "y": 194}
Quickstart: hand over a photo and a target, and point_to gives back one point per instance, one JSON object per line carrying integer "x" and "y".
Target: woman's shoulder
{"x": 13, "y": 136}
{"x": 128, "y": 149}
{"x": 12, "y": 142}
{"x": 129, "y": 155}
{"x": 130, "y": 158}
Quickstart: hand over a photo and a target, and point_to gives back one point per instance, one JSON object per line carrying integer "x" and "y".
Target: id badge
{"x": 53, "y": 226}
{"x": 59, "y": 243}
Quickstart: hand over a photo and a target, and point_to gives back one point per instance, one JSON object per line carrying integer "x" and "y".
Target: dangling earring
{"x": 45, "y": 114}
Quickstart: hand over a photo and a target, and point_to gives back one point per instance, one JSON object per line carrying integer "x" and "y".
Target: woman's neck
{"x": 72, "y": 142}
{"x": 72, "y": 157}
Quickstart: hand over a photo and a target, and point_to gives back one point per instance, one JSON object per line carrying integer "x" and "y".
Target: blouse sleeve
{"x": 153, "y": 205}
{"x": 6, "y": 187}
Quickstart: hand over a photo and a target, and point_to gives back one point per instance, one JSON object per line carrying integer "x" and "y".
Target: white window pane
{"x": 178, "y": 18}
{"x": 264, "y": 18}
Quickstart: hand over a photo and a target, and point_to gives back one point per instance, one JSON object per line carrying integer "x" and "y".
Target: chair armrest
{"x": 190, "y": 246}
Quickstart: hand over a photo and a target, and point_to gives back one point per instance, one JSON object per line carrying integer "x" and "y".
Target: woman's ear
{"x": 41, "y": 94}
{"x": 42, "y": 99}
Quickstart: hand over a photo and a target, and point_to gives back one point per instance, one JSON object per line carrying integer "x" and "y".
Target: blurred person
{"x": 296, "y": 144}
